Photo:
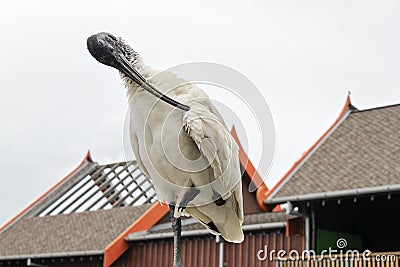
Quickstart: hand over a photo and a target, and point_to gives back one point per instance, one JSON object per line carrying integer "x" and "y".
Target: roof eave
{"x": 357, "y": 192}
{"x": 191, "y": 233}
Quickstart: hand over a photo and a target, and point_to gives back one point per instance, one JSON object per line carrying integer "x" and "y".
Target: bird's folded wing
{"x": 208, "y": 131}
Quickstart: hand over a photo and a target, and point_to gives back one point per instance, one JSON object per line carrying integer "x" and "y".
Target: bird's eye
{"x": 110, "y": 49}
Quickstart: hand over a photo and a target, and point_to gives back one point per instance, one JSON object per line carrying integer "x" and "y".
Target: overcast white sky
{"x": 56, "y": 102}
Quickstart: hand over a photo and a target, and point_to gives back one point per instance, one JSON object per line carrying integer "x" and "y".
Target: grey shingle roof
{"x": 84, "y": 212}
{"x": 62, "y": 233}
{"x": 362, "y": 152}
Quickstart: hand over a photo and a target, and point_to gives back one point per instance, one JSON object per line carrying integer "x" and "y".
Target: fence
{"x": 383, "y": 259}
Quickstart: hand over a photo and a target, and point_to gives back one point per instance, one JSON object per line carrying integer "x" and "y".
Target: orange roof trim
{"x": 251, "y": 171}
{"x": 114, "y": 250}
{"x": 346, "y": 107}
{"x": 87, "y": 158}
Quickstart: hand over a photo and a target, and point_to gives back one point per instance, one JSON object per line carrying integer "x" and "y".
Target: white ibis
{"x": 180, "y": 142}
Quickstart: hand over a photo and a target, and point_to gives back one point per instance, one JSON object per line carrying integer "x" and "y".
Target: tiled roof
{"x": 363, "y": 152}
{"x": 76, "y": 232}
{"x": 85, "y": 211}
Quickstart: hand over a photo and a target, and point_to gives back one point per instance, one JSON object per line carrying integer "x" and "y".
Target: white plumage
{"x": 179, "y": 149}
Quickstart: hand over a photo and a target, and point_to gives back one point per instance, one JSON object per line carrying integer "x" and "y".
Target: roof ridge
{"x": 117, "y": 162}
{"x": 374, "y": 108}
{"x": 297, "y": 164}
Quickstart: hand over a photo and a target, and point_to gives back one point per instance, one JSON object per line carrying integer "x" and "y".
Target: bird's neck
{"x": 146, "y": 71}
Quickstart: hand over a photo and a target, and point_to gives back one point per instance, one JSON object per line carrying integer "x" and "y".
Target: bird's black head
{"x": 113, "y": 51}
{"x": 102, "y": 47}
{"x": 108, "y": 49}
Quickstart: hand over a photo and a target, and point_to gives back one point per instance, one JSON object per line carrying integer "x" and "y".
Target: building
{"x": 347, "y": 185}
{"x": 107, "y": 215}
{"x": 342, "y": 194}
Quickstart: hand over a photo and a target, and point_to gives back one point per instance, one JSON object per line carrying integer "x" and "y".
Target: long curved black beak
{"x": 102, "y": 47}
{"x": 127, "y": 68}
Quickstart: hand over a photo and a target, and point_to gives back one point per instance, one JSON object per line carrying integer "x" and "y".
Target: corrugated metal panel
{"x": 245, "y": 254}
{"x": 203, "y": 251}
{"x": 196, "y": 252}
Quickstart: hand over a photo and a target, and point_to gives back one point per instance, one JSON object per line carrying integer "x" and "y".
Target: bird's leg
{"x": 176, "y": 228}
